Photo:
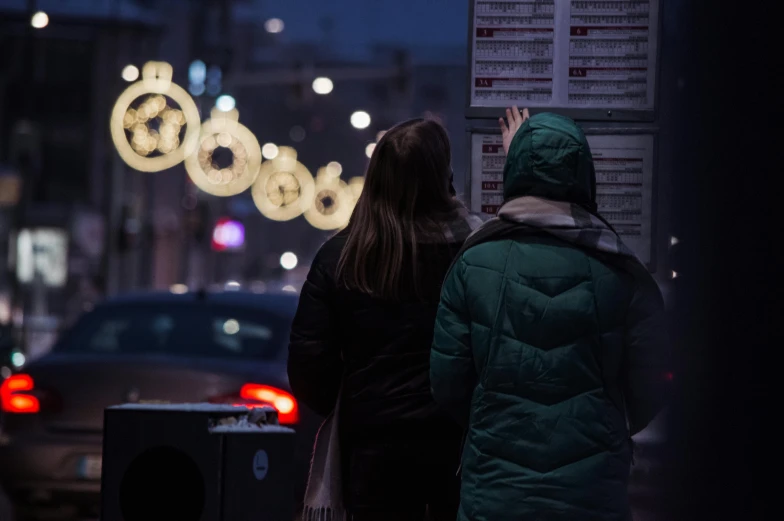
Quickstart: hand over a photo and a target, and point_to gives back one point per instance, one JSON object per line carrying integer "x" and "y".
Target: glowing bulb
{"x": 225, "y": 103}
{"x": 322, "y": 86}
{"x": 269, "y": 151}
{"x": 179, "y": 289}
{"x": 130, "y": 73}
{"x": 274, "y": 25}
{"x": 360, "y": 119}
{"x": 288, "y": 261}
{"x": 369, "y": 149}
{"x": 39, "y": 20}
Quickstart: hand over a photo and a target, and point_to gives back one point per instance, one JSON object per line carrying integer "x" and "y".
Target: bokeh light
{"x": 225, "y": 103}
{"x": 297, "y": 134}
{"x": 130, "y": 73}
{"x": 288, "y": 261}
{"x": 274, "y": 25}
{"x": 197, "y": 72}
{"x": 322, "y": 86}
{"x": 39, "y": 20}
{"x": 179, "y": 289}
{"x": 269, "y": 151}
{"x": 334, "y": 169}
{"x": 231, "y": 327}
{"x": 380, "y": 135}
{"x": 360, "y": 119}
{"x": 369, "y": 149}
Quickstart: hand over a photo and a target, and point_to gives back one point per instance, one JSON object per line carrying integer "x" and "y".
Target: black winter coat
{"x": 382, "y": 347}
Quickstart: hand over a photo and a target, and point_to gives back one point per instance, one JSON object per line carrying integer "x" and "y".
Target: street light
{"x": 322, "y": 86}
{"x": 130, "y": 73}
{"x": 360, "y": 119}
{"x": 225, "y": 103}
{"x": 274, "y": 25}
{"x": 39, "y": 20}
{"x": 288, "y": 261}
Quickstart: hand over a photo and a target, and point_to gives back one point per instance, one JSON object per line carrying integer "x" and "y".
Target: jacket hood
{"x": 549, "y": 157}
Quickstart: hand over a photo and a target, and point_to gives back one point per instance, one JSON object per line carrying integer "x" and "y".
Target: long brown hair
{"x": 407, "y": 193}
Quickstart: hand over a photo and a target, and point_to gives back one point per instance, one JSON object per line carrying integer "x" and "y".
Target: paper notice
{"x": 624, "y": 183}
{"x": 566, "y": 54}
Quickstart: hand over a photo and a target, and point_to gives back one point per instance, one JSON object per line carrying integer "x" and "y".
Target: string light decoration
{"x": 224, "y": 131}
{"x": 333, "y": 202}
{"x": 284, "y": 188}
{"x": 151, "y": 135}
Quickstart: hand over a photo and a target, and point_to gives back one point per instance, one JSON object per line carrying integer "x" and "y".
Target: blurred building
{"x": 103, "y": 227}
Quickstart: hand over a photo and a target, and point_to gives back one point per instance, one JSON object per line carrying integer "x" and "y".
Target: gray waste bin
{"x": 196, "y": 463}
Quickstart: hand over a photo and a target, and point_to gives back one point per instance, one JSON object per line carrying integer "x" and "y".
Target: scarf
{"x": 568, "y": 222}
{"x": 324, "y": 492}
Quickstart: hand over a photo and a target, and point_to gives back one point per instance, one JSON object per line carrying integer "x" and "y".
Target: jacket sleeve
{"x": 315, "y": 366}
{"x": 452, "y": 371}
{"x": 648, "y": 357}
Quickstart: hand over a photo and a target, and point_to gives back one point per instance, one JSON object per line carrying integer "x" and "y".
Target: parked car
{"x": 227, "y": 347}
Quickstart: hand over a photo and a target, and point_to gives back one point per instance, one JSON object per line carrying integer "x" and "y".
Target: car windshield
{"x": 179, "y": 329}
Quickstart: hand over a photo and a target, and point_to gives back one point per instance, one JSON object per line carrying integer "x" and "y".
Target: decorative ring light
{"x": 223, "y": 130}
{"x": 355, "y": 186}
{"x": 284, "y": 188}
{"x": 332, "y": 205}
{"x": 154, "y": 149}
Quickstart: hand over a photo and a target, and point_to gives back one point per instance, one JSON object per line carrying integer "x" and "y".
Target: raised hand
{"x": 515, "y": 118}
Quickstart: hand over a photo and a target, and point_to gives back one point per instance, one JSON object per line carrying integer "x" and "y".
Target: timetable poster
{"x": 624, "y": 182}
{"x": 564, "y": 53}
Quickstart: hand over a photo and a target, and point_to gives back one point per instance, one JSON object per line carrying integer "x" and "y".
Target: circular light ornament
{"x": 332, "y": 205}
{"x": 223, "y": 129}
{"x": 284, "y": 188}
{"x": 168, "y": 138}
{"x": 355, "y": 186}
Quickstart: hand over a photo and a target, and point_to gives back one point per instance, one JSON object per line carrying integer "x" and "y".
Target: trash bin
{"x": 196, "y": 462}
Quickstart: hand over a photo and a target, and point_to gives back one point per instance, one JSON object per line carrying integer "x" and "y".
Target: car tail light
{"x": 256, "y": 395}
{"x": 16, "y": 395}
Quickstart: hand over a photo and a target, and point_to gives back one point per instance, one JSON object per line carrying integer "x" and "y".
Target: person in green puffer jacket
{"x": 549, "y": 344}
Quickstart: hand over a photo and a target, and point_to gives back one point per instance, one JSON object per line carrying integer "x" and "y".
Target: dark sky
{"x": 357, "y": 23}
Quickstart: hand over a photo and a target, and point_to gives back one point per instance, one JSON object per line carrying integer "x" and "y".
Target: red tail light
{"x": 256, "y": 395}
{"x": 16, "y": 396}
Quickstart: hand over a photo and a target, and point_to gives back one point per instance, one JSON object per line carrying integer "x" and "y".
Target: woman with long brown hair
{"x": 360, "y": 342}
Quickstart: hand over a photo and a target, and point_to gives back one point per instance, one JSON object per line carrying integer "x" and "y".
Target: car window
{"x": 183, "y": 329}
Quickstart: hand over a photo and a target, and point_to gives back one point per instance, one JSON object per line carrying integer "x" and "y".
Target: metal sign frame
{"x": 582, "y": 114}
{"x": 486, "y": 128}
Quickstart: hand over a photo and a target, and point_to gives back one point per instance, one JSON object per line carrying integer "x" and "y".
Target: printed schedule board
{"x": 590, "y": 59}
{"x": 624, "y": 182}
